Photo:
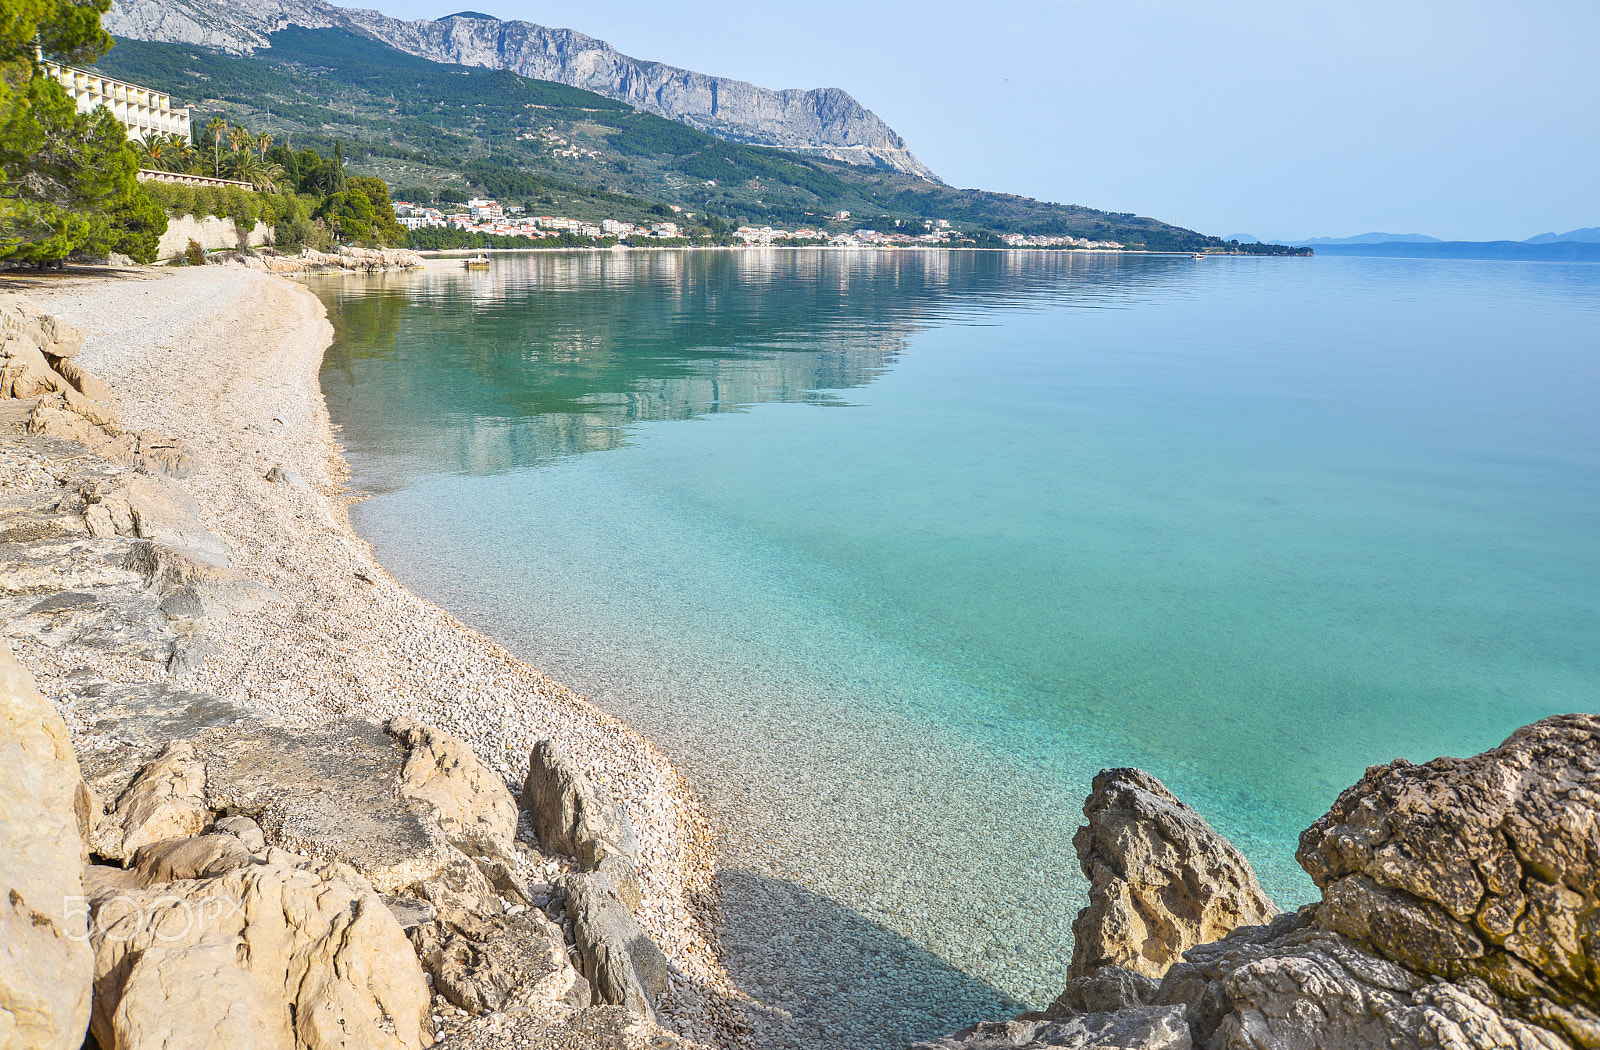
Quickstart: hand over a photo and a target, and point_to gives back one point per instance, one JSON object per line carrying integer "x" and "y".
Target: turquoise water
{"x": 893, "y": 551}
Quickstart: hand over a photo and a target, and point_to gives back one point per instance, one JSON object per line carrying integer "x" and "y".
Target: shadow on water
{"x": 827, "y": 976}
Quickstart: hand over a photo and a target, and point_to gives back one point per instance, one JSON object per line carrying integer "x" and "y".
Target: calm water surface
{"x": 893, "y": 551}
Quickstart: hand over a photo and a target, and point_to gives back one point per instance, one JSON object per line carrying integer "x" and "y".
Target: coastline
{"x": 227, "y": 360}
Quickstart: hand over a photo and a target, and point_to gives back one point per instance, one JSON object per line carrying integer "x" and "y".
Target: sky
{"x": 1283, "y": 120}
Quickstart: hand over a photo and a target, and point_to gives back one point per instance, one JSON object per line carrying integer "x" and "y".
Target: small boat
{"x": 1197, "y": 255}
{"x": 478, "y": 262}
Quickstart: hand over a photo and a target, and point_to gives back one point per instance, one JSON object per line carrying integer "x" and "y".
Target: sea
{"x": 892, "y": 551}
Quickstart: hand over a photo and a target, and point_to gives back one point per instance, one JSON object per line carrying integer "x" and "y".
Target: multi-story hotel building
{"x": 142, "y": 111}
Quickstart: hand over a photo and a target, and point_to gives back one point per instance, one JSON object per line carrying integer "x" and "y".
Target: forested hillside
{"x": 425, "y": 127}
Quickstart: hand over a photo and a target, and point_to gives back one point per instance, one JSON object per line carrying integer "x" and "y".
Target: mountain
{"x": 1587, "y": 235}
{"x": 823, "y": 122}
{"x": 1557, "y": 251}
{"x": 425, "y": 128}
{"x": 1371, "y": 238}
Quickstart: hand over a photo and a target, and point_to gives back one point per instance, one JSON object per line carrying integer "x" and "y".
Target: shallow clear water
{"x": 893, "y": 551}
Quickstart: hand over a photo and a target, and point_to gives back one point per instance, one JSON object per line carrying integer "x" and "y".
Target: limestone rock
{"x": 278, "y": 474}
{"x": 81, "y": 379}
{"x": 470, "y": 802}
{"x": 193, "y": 858}
{"x": 151, "y": 507}
{"x": 1292, "y": 986}
{"x": 198, "y": 998}
{"x": 572, "y": 816}
{"x": 221, "y": 591}
{"x": 167, "y": 800}
{"x": 497, "y": 963}
{"x": 1138, "y": 1028}
{"x": 45, "y": 961}
{"x": 24, "y": 372}
{"x": 332, "y": 966}
{"x": 62, "y": 338}
{"x": 623, "y": 965}
{"x": 1160, "y": 879}
{"x": 331, "y": 792}
{"x": 1104, "y": 990}
{"x": 247, "y": 831}
{"x": 1484, "y": 867}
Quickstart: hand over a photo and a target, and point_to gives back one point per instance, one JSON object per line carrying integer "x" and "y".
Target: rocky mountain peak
{"x": 825, "y": 122}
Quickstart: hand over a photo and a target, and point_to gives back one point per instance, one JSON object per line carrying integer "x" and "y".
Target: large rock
{"x": 1160, "y": 879}
{"x": 24, "y": 372}
{"x": 1485, "y": 867}
{"x": 623, "y": 965}
{"x": 293, "y": 950}
{"x": 151, "y": 507}
{"x": 488, "y": 963}
{"x": 470, "y": 802}
{"x": 45, "y": 961}
{"x": 1292, "y": 986}
{"x": 166, "y": 800}
{"x": 573, "y": 816}
{"x": 1138, "y": 1028}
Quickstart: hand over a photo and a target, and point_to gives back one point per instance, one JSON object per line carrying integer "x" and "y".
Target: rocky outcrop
{"x": 1458, "y": 910}
{"x": 470, "y": 802}
{"x": 290, "y": 957}
{"x": 1160, "y": 879}
{"x": 354, "y": 260}
{"x": 822, "y": 121}
{"x": 572, "y": 816}
{"x": 623, "y": 965}
{"x": 1485, "y": 867}
{"x": 45, "y": 961}
{"x": 1144, "y": 1028}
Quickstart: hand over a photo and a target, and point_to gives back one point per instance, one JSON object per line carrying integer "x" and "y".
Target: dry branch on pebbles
{"x": 214, "y": 374}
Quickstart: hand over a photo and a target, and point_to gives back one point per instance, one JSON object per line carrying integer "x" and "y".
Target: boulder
{"x": 623, "y": 965}
{"x": 501, "y": 962}
{"x": 151, "y": 507}
{"x": 1485, "y": 867}
{"x": 572, "y": 816}
{"x": 62, "y": 339}
{"x": 305, "y": 951}
{"x": 1294, "y": 986}
{"x": 194, "y": 858}
{"x": 470, "y": 802}
{"x": 1160, "y": 879}
{"x": 196, "y": 998}
{"x": 45, "y": 961}
{"x": 24, "y": 372}
{"x": 1104, "y": 990}
{"x": 81, "y": 379}
{"x": 167, "y": 800}
{"x": 247, "y": 831}
{"x": 1139, "y": 1028}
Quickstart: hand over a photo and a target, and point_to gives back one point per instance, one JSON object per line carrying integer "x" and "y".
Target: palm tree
{"x": 178, "y": 152}
{"x": 263, "y": 143}
{"x": 218, "y": 127}
{"x": 262, "y": 176}
{"x": 240, "y": 139}
{"x": 152, "y": 153}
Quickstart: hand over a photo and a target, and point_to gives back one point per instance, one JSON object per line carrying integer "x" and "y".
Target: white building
{"x": 142, "y": 112}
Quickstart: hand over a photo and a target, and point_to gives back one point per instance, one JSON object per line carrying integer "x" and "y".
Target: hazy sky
{"x": 1282, "y": 119}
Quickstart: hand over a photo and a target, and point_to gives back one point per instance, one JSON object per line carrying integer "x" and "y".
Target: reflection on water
{"x": 549, "y": 354}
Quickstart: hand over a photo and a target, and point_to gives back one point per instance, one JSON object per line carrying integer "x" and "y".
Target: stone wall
{"x": 212, "y": 233}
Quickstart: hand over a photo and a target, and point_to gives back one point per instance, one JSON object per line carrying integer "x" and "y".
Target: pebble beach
{"x": 227, "y": 359}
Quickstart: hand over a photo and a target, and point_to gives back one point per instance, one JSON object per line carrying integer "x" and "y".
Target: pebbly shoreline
{"x": 225, "y": 360}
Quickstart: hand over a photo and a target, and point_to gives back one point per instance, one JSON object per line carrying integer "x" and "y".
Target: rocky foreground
{"x": 1460, "y": 908}
{"x": 252, "y": 792}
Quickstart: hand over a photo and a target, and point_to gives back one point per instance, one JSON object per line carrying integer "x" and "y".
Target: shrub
{"x": 194, "y": 255}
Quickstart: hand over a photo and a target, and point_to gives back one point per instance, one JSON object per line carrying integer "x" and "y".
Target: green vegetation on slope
{"x": 425, "y": 125}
